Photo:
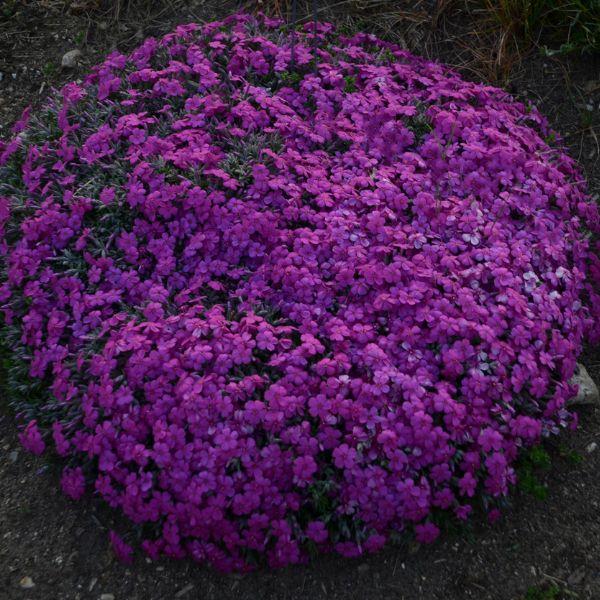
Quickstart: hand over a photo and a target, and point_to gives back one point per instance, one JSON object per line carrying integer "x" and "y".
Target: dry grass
{"x": 118, "y": 11}
{"x": 485, "y": 38}
{"x": 471, "y": 38}
{"x": 488, "y": 38}
{"x": 402, "y": 21}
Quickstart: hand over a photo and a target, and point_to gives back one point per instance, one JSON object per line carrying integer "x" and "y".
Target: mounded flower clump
{"x": 267, "y": 308}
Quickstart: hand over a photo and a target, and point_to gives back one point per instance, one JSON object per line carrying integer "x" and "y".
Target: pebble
{"x": 587, "y": 393}
{"x": 13, "y": 456}
{"x": 577, "y": 576}
{"x": 107, "y": 597}
{"x": 70, "y": 59}
{"x": 181, "y": 593}
{"x": 591, "y": 447}
{"x": 26, "y": 583}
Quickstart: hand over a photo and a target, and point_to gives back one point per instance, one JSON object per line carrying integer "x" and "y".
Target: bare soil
{"x": 542, "y": 549}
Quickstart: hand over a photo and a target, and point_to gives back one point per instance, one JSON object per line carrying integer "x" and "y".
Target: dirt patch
{"x": 542, "y": 549}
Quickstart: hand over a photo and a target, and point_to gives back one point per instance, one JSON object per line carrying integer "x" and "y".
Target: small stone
{"x": 182, "y": 592}
{"x": 591, "y": 447}
{"x": 26, "y": 583}
{"x": 587, "y": 393}
{"x": 577, "y": 576}
{"x": 107, "y": 597}
{"x": 70, "y": 59}
{"x": 363, "y": 568}
{"x": 13, "y": 456}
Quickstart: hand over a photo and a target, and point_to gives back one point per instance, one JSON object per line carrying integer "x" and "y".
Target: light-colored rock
{"x": 587, "y": 393}
{"x": 26, "y": 583}
{"x": 70, "y": 59}
{"x": 591, "y": 86}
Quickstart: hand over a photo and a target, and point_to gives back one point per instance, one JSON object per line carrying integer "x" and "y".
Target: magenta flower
{"x": 304, "y": 468}
{"x": 123, "y": 551}
{"x": 72, "y": 483}
{"x": 467, "y": 484}
{"x": 317, "y": 531}
{"x": 426, "y": 533}
{"x": 31, "y": 438}
{"x": 494, "y": 515}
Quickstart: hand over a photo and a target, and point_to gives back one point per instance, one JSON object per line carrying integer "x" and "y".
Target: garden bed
{"x": 374, "y": 571}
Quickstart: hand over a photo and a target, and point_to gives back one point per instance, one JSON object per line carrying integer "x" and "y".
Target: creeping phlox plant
{"x": 269, "y": 308}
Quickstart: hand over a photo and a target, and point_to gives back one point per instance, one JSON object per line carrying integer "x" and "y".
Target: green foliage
{"x": 80, "y": 37}
{"x": 243, "y": 154}
{"x": 564, "y": 26}
{"x": 538, "y": 457}
{"x": 8, "y": 8}
{"x": 291, "y": 78}
{"x": 420, "y": 125}
{"x": 542, "y": 593}
{"x": 19, "y": 391}
{"x": 352, "y": 25}
{"x": 579, "y": 21}
{"x": 50, "y": 70}
{"x": 350, "y": 84}
{"x": 586, "y": 119}
{"x": 528, "y": 467}
{"x": 574, "y": 457}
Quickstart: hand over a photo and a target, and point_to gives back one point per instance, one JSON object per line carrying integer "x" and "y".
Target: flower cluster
{"x": 267, "y": 306}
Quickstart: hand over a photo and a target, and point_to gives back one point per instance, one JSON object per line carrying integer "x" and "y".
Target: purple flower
{"x": 31, "y": 438}
{"x": 467, "y": 484}
{"x": 527, "y": 428}
{"x": 123, "y": 551}
{"x": 72, "y": 483}
{"x": 490, "y": 440}
{"x": 107, "y": 195}
{"x": 317, "y": 531}
{"x": 426, "y": 533}
{"x": 304, "y": 468}
{"x": 61, "y": 442}
{"x": 494, "y": 515}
